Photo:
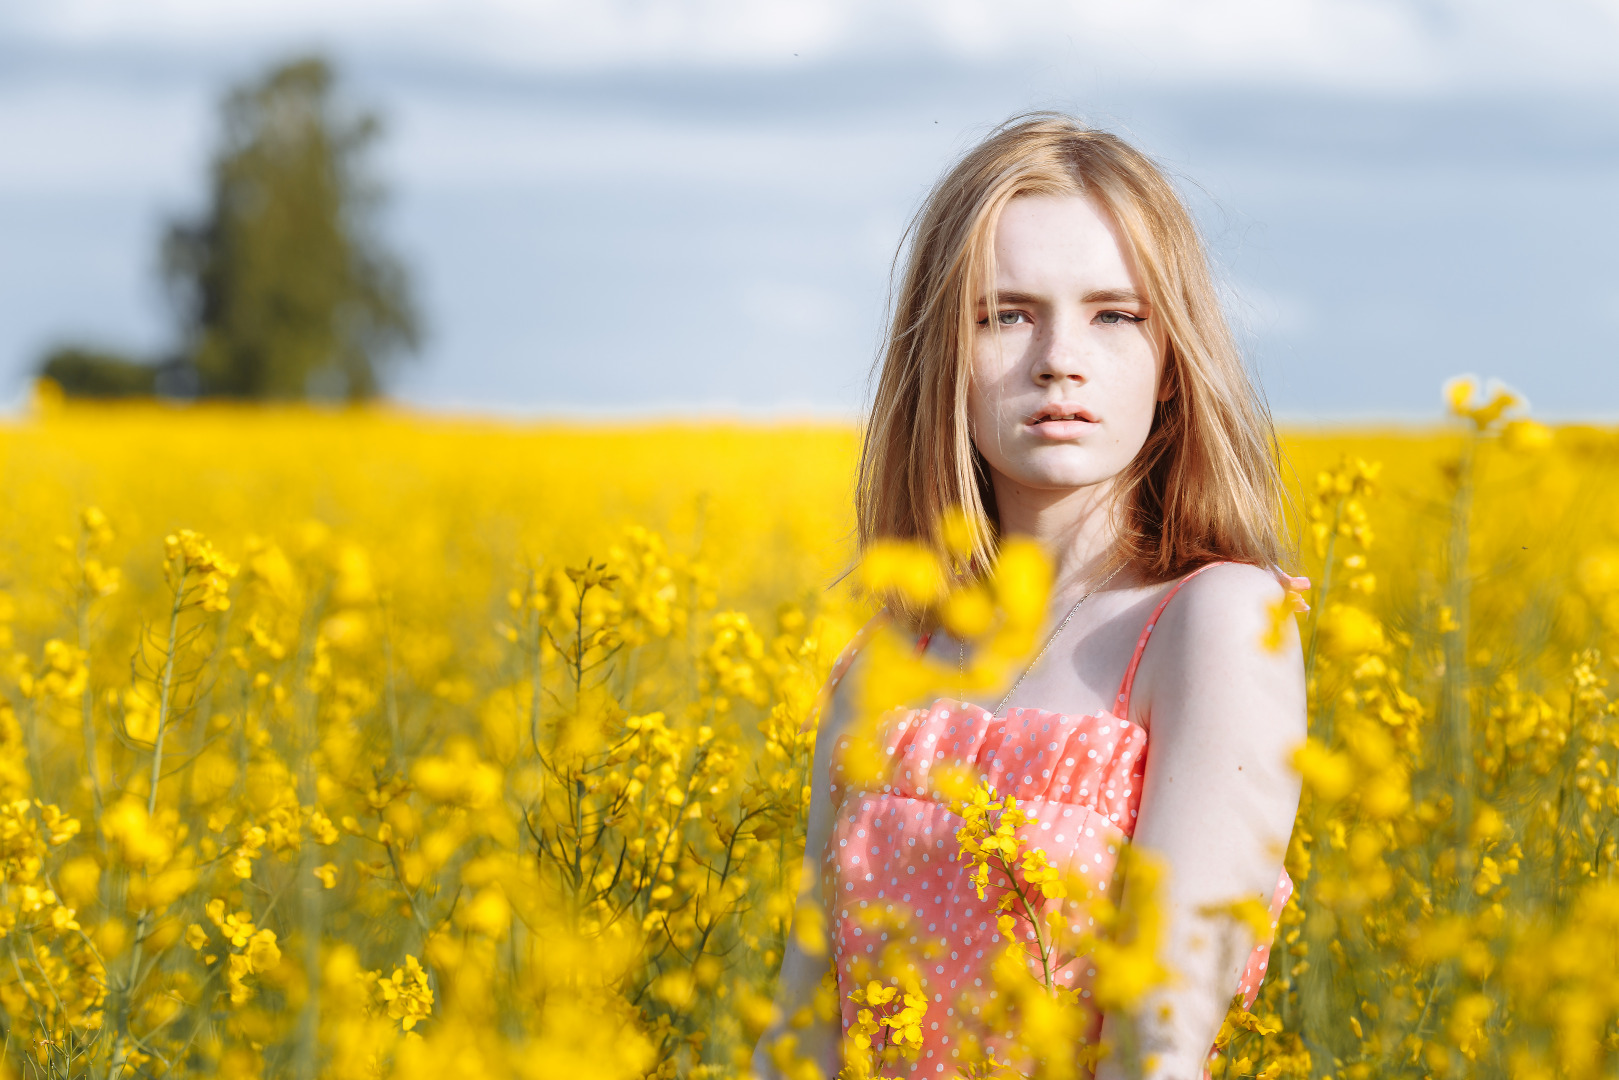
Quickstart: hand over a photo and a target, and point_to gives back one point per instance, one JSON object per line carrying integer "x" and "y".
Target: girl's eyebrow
{"x": 1095, "y": 296}
{"x": 1006, "y": 297}
{"x": 1111, "y": 296}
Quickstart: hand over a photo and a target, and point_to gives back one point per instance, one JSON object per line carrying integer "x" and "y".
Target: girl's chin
{"x": 1060, "y": 479}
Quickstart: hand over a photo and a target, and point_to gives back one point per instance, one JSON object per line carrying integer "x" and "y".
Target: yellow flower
{"x": 1467, "y": 1023}
{"x": 1280, "y": 619}
{"x": 262, "y": 952}
{"x": 876, "y": 993}
{"x": 969, "y": 612}
{"x": 406, "y": 994}
{"x": 238, "y": 968}
{"x": 809, "y": 927}
{"x": 1327, "y": 773}
{"x": 1022, "y": 582}
{"x": 488, "y": 912}
{"x": 1526, "y": 436}
{"x": 907, "y": 569}
{"x": 958, "y": 533}
{"x": 1459, "y": 393}
{"x": 1038, "y": 872}
{"x": 1349, "y": 631}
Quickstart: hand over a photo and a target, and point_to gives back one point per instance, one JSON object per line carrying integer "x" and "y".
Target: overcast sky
{"x": 647, "y": 206}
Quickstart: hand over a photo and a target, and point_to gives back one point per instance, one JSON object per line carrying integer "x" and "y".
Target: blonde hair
{"x": 1205, "y": 485}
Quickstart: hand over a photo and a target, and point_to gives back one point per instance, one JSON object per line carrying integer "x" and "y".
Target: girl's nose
{"x": 1058, "y": 357}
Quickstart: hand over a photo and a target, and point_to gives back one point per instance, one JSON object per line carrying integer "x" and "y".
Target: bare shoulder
{"x": 1231, "y": 578}
{"x": 1218, "y": 646}
{"x": 1223, "y": 600}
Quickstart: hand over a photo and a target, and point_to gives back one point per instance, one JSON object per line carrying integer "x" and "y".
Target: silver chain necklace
{"x": 961, "y": 661}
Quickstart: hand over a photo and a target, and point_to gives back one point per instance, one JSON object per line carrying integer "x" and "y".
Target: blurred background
{"x": 690, "y": 207}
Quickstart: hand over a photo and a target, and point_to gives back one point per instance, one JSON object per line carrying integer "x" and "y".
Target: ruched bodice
{"x": 1090, "y": 761}
{"x": 891, "y": 870}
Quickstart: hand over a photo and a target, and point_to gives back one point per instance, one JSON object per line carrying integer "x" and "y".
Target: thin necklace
{"x": 961, "y": 661}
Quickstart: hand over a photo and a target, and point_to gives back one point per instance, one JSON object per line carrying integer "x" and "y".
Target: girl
{"x": 1058, "y": 366}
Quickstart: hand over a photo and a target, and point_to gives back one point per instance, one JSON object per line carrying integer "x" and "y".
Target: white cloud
{"x": 509, "y": 143}
{"x": 1372, "y": 45}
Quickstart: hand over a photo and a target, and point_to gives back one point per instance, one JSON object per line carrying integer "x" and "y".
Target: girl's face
{"x": 1066, "y": 368}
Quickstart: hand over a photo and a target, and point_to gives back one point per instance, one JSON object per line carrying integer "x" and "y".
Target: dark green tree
{"x": 83, "y": 371}
{"x": 284, "y": 287}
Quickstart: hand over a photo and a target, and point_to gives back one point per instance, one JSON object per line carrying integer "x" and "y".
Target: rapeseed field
{"x": 367, "y": 744}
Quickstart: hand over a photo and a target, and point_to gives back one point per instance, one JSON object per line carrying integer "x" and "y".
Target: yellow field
{"x": 375, "y": 772}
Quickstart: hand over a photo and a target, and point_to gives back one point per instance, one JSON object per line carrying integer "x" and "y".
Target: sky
{"x": 692, "y": 207}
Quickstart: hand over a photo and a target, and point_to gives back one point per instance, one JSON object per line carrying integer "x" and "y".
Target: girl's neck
{"x": 1077, "y": 526}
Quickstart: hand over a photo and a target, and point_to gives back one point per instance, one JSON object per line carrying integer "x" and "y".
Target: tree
{"x": 87, "y": 372}
{"x": 283, "y": 286}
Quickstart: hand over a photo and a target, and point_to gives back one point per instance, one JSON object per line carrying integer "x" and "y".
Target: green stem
{"x": 306, "y": 1050}
{"x": 1458, "y": 715}
{"x": 92, "y": 764}
{"x": 1321, "y": 592}
{"x": 390, "y": 694}
{"x": 536, "y": 672}
{"x": 1046, "y": 974}
{"x": 165, "y": 690}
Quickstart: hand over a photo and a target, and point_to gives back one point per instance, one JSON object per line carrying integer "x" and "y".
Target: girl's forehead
{"x": 1059, "y": 240}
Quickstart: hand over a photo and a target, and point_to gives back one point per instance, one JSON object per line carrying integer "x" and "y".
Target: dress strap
{"x": 1121, "y": 702}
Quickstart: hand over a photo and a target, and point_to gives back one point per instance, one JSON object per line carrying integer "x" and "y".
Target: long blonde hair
{"x": 1205, "y": 485}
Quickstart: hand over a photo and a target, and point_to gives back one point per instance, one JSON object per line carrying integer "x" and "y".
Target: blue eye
{"x": 1114, "y": 318}
{"x": 1011, "y": 318}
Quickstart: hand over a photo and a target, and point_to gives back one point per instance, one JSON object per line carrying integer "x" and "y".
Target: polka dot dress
{"x": 890, "y": 874}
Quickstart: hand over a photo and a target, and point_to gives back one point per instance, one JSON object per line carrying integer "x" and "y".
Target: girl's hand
{"x": 1297, "y": 588}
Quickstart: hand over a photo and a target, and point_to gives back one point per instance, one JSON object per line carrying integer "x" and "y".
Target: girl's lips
{"x": 1060, "y": 412}
{"x": 1062, "y": 430}
{"x": 1062, "y": 421}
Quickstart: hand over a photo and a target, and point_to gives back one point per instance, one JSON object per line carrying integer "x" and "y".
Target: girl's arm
{"x": 1218, "y": 801}
{"x": 801, "y": 973}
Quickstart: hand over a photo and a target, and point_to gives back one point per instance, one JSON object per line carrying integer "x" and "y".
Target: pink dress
{"x": 1079, "y": 780}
